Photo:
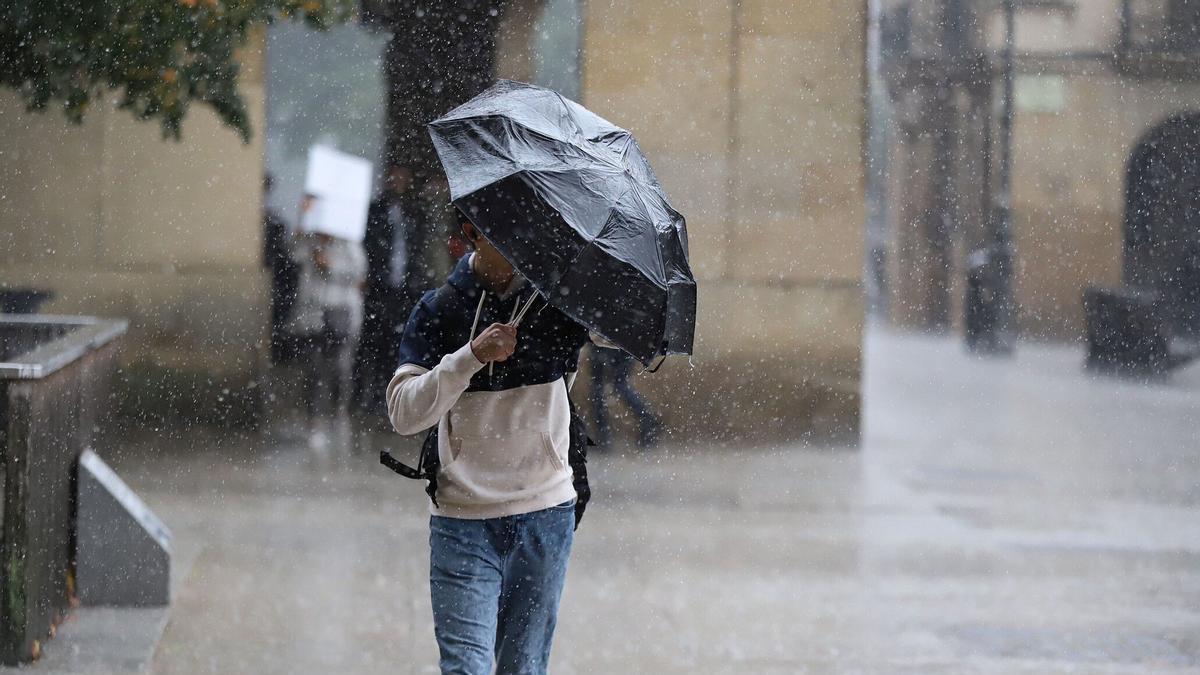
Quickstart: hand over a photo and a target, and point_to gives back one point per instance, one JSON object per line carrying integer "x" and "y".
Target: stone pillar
{"x": 440, "y": 55}
{"x": 752, "y": 113}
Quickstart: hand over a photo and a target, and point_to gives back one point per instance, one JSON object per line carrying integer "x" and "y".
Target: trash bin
{"x": 54, "y": 376}
{"x": 1125, "y": 332}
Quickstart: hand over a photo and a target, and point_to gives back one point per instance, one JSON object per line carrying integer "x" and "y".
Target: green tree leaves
{"x": 161, "y": 55}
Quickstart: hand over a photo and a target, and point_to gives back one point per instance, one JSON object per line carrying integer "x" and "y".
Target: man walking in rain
{"x": 506, "y": 476}
{"x": 493, "y": 376}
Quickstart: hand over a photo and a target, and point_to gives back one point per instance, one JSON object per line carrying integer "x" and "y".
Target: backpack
{"x": 429, "y": 462}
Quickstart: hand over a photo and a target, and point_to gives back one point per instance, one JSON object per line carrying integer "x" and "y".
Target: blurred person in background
{"x": 613, "y": 365}
{"x": 327, "y": 318}
{"x": 284, "y": 276}
{"x": 441, "y": 221}
{"x": 392, "y": 222}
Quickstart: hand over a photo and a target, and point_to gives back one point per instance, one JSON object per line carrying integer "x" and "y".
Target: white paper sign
{"x": 341, "y": 185}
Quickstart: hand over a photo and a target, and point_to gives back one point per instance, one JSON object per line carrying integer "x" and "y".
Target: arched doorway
{"x": 1162, "y": 220}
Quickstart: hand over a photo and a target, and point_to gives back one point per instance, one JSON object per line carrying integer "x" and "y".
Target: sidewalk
{"x": 1001, "y": 517}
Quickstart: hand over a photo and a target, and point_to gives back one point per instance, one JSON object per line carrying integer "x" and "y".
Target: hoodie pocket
{"x": 548, "y": 447}
{"x": 492, "y": 469}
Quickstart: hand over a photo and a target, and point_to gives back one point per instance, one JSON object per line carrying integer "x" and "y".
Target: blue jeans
{"x": 495, "y": 586}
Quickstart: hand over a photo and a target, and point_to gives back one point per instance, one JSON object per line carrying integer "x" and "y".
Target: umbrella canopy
{"x": 568, "y": 198}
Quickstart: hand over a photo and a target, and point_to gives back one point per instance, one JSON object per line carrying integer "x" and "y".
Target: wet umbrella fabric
{"x": 569, "y": 199}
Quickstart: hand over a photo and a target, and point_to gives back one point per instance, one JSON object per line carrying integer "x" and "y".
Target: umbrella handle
{"x": 516, "y": 320}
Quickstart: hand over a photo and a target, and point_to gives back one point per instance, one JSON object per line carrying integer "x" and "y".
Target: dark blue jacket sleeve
{"x": 421, "y": 344}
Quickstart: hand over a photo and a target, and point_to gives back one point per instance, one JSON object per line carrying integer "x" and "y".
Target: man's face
{"x": 399, "y": 179}
{"x": 484, "y": 248}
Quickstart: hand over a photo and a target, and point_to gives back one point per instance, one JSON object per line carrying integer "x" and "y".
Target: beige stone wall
{"x": 119, "y": 222}
{"x": 514, "y": 56}
{"x": 752, "y": 114}
{"x": 1069, "y": 190}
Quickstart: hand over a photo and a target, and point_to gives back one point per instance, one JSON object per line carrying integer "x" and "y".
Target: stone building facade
{"x": 1106, "y": 157}
{"x": 751, "y": 111}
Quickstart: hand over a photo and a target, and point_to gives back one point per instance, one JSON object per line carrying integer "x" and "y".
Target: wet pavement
{"x": 1000, "y": 517}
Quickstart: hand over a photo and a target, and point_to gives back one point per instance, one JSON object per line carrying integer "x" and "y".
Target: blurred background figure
{"x": 457, "y": 246}
{"x": 442, "y": 225}
{"x": 612, "y": 366}
{"x": 392, "y": 223}
{"x": 327, "y": 318}
{"x": 284, "y": 276}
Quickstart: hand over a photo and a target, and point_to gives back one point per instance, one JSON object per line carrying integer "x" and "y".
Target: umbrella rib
{"x": 584, "y": 147}
{"x": 600, "y": 195}
{"x": 657, "y": 248}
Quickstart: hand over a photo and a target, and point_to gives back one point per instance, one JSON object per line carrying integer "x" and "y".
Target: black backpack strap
{"x": 577, "y": 458}
{"x": 427, "y": 466}
{"x": 386, "y": 459}
{"x": 429, "y": 462}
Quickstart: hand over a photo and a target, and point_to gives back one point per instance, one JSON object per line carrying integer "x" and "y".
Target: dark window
{"x": 1183, "y": 22}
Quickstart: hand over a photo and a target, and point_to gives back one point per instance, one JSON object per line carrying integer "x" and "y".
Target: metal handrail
{"x": 88, "y": 334}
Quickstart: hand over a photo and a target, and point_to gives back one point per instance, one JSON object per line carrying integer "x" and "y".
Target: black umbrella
{"x": 569, "y": 199}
